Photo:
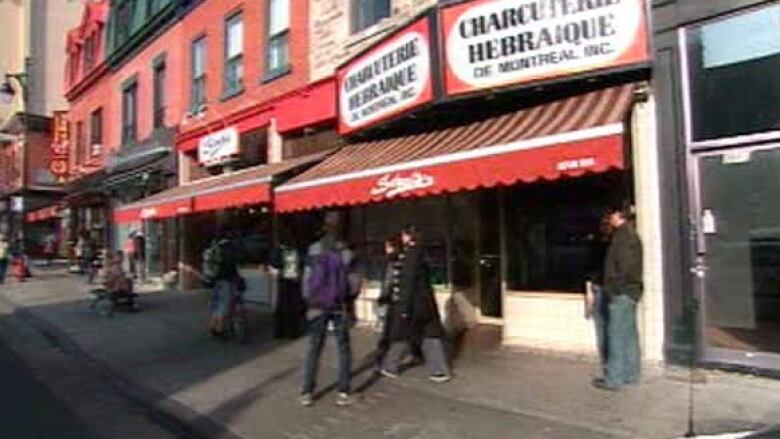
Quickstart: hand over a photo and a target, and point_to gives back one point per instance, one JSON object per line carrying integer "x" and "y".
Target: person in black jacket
{"x": 413, "y": 314}
{"x": 289, "y": 314}
{"x": 623, "y": 287}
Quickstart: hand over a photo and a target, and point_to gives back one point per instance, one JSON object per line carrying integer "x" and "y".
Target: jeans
{"x": 221, "y": 296}
{"x": 318, "y": 329}
{"x": 601, "y": 322}
{"x": 623, "y": 340}
{"x": 432, "y": 351}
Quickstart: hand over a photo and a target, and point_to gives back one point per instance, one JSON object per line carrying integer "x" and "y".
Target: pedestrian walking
{"x": 288, "y": 260}
{"x": 596, "y": 305}
{"x": 389, "y": 288}
{"x": 49, "y": 246}
{"x": 414, "y": 314}
{"x": 329, "y": 289}
{"x": 4, "y": 253}
{"x": 623, "y": 287}
{"x": 220, "y": 262}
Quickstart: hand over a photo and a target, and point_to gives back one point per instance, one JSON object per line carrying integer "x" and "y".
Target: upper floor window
{"x": 73, "y": 67}
{"x": 158, "y": 101}
{"x": 89, "y": 53}
{"x": 366, "y": 13}
{"x": 79, "y": 142}
{"x": 198, "y": 73}
{"x": 124, "y": 14}
{"x": 277, "y": 47}
{"x": 129, "y": 112}
{"x": 95, "y": 132}
{"x": 234, "y": 50}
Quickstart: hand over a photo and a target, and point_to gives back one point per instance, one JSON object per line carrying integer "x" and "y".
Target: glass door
{"x": 739, "y": 271}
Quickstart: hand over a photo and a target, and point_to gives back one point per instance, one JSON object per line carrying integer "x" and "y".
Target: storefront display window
{"x": 371, "y": 225}
{"x": 551, "y": 231}
{"x": 733, "y": 66}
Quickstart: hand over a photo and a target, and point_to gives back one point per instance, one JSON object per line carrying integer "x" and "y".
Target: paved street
{"x": 30, "y": 410}
{"x": 160, "y": 369}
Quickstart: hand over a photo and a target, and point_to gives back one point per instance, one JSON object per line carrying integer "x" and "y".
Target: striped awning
{"x": 240, "y": 188}
{"x": 568, "y": 137}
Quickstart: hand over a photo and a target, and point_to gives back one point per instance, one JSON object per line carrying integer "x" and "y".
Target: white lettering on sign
{"x": 511, "y": 41}
{"x": 218, "y": 147}
{"x": 569, "y": 165}
{"x": 148, "y": 212}
{"x": 387, "y": 80}
{"x": 391, "y": 185}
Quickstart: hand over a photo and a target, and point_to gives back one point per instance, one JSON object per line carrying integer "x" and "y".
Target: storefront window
{"x": 551, "y": 231}
{"x": 733, "y": 68}
{"x": 371, "y": 225}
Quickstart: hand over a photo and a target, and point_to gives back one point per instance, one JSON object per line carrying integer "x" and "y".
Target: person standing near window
{"x": 623, "y": 287}
{"x": 3, "y": 258}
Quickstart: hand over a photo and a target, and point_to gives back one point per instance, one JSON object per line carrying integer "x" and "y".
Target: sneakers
{"x": 440, "y": 378}
{"x": 387, "y": 373}
{"x": 343, "y": 399}
{"x": 602, "y": 384}
{"x": 307, "y": 400}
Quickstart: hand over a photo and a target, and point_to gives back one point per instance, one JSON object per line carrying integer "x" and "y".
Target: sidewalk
{"x": 250, "y": 391}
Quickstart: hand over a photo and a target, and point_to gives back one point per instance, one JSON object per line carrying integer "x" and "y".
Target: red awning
{"x": 240, "y": 188}
{"x": 42, "y": 214}
{"x": 568, "y": 137}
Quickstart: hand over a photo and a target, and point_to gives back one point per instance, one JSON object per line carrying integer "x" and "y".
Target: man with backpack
{"x": 220, "y": 268}
{"x": 329, "y": 286}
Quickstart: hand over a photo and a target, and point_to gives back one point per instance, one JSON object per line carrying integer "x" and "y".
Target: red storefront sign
{"x": 58, "y": 151}
{"x": 497, "y": 43}
{"x": 391, "y": 78}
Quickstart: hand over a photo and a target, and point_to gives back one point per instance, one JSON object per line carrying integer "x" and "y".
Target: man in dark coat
{"x": 414, "y": 315}
{"x": 623, "y": 287}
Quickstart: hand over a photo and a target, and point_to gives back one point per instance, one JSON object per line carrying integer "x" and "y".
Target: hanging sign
{"x": 498, "y": 43}
{"x": 58, "y": 150}
{"x": 393, "y": 77}
{"x": 218, "y": 147}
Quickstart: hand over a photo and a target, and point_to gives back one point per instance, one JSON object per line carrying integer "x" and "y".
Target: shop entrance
{"x": 489, "y": 255}
{"x": 738, "y": 248}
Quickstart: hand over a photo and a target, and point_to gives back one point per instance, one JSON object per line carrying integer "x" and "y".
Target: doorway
{"x": 489, "y": 254}
{"x": 738, "y": 271}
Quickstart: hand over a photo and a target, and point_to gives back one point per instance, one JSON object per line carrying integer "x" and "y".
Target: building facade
{"x": 31, "y": 72}
{"x": 487, "y": 148}
{"x": 716, "y": 83}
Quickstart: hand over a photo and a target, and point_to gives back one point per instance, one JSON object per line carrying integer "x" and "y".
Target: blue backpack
{"x": 327, "y": 283}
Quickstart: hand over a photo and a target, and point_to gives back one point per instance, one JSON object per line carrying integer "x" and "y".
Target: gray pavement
{"x": 163, "y": 357}
{"x": 30, "y": 410}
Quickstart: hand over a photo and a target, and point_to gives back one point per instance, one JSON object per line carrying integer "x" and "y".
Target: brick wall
{"x": 332, "y": 41}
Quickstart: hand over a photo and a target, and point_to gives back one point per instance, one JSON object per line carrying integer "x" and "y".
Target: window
{"x": 366, "y": 13}
{"x": 79, "y": 142}
{"x": 198, "y": 66}
{"x": 550, "y": 248}
{"x": 277, "y": 58}
{"x": 129, "y": 112}
{"x": 123, "y": 21}
{"x": 95, "y": 133}
{"x": 74, "y": 67}
{"x": 234, "y": 49}
{"x": 158, "y": 102}
{"x": 733, "y": 63}
{"x": 89, "y": 53}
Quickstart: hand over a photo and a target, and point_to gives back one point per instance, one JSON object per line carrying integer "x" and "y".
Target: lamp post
{"x": 7, "y": 95}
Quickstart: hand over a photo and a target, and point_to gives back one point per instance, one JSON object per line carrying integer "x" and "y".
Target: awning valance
{"x": 567, "y": 137}
{"x": 240, "y": 188}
